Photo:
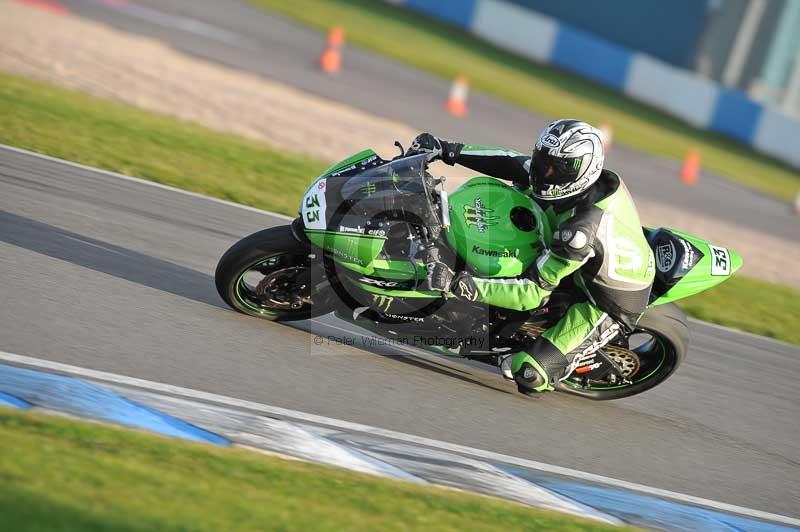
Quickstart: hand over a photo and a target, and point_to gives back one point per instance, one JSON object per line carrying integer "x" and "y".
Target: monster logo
{"x": 478, "y": 216}
{"x": 383, "y": 303}
{"x": 368, "y": 189}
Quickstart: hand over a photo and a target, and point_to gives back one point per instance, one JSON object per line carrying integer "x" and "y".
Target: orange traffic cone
{"x": 331, "y": 59}
{"x": 691, "y": 167}
{"x": 336, "y": 37}
{"x": 457, "y": 100}
{"x": 606, "y": 135}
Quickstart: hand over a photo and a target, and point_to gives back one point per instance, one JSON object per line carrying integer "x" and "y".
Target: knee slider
{"x": 530, "y": 379}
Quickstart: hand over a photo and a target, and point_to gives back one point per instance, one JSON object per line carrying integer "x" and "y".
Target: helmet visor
{"x": 547, "y": 170}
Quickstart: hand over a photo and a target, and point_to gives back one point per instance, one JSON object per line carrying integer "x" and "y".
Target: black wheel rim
{"x": 275, "y": 285}
{"x": 656, "y": 357}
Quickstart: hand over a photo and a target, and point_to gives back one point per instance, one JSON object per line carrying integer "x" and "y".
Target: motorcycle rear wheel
{"x": 269, "y": 275}
{"x": 662, "y": 341}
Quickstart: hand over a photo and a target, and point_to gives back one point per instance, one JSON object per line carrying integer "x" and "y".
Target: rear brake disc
{"x": 627, "y": 360}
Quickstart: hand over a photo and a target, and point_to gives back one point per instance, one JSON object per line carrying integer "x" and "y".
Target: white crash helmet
{"x": 567, "y": 160}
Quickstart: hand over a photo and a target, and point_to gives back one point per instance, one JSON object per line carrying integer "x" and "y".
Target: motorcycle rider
{"x": 597, "y": 239}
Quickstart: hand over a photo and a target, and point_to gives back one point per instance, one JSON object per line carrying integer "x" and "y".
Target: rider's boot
{"x": 529, "y": 375}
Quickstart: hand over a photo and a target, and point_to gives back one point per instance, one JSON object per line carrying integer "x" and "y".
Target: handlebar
{"x": 431, "y": 253}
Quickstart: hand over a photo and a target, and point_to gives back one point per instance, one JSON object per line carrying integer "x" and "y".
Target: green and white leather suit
{"x": 597, "y": 239}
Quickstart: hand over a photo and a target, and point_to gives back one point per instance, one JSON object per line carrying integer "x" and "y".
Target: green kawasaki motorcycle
{"x": 361, "y": 242}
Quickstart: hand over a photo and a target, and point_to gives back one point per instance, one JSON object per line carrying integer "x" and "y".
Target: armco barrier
{"x": 516, "y": 29}
{"x": 735, "y": 115}
{"x": 582, "y": 53}
{"x": 778, "y": 135}
{"x": 679, "y": 92}
{"x": 457, "y": 12}
{"x": 674, "y": 90}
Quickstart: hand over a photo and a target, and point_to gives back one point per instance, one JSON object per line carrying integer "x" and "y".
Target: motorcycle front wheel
{"x": 272, "y": 275}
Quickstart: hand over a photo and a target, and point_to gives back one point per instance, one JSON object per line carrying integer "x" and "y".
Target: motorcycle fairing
{"x": 349, "y": 210}
{"x": 687, "y": 265}
{"x": 318, "y": 196}
{"x": 348, "y": 248}
{"x": 496, "y": 230}
{"x": 353, "y": 164}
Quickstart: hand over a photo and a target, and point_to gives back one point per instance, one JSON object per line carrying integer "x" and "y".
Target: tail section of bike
{"x": 687, "y": 265}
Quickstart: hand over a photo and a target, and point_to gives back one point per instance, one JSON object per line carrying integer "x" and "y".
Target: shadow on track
{"x": 395, "y": 354}
{"x": 160, "y": 274}
{"x": 108, "y": 258}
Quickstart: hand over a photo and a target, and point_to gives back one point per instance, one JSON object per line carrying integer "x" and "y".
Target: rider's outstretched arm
{"x": 494, "y": 161}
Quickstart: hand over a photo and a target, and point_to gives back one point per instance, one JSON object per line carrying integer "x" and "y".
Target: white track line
{"x": 390, "y": 434}
{"x": 145, "y": 182}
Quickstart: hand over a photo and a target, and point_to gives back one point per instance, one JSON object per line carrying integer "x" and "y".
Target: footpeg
{"x": 505, "y": 367}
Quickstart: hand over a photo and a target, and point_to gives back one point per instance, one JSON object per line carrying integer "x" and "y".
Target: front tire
{"x": 668, "y": 330}
{"x": 271, "y": 275}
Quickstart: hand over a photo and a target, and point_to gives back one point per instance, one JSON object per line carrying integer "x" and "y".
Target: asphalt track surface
{"x": 116, "y": 275}
{"x": 237, "y": 35}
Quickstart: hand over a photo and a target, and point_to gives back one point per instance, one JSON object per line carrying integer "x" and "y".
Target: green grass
{"x": 108, "y": 135}
{"x": 448, "y": 52}
{"x": 759, "y": 307}
{"x": 116, "y": 137}
{"x": 58, "y": 474}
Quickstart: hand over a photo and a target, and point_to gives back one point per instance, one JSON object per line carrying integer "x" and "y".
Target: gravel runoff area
{"x": 76, "y": 53}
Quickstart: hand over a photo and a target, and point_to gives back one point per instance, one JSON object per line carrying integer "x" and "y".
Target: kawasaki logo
{"x": 478, "y": 216}
{"x": 494, "y": 253}
{"x": 344, "y": 229}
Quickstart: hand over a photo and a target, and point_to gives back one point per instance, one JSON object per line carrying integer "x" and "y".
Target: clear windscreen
{"x": 400, "y": 189}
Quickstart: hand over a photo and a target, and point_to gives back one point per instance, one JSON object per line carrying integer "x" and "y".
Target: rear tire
{"x": 281, "y": 260}
{"x": 668, "y": 326}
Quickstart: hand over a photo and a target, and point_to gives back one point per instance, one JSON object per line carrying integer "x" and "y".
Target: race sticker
{"x": 313, "y": 207}
{"x": 720, "y": 261}
{"x": 665, "y": 257}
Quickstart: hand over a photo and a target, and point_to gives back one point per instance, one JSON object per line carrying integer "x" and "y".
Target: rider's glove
{"x": 441, "y": 149}
{"x": 464, "y": 287}
{"x": 426, "y": 143}
{"x": 442, "y": 279}
{"x": 440, "y": 276}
